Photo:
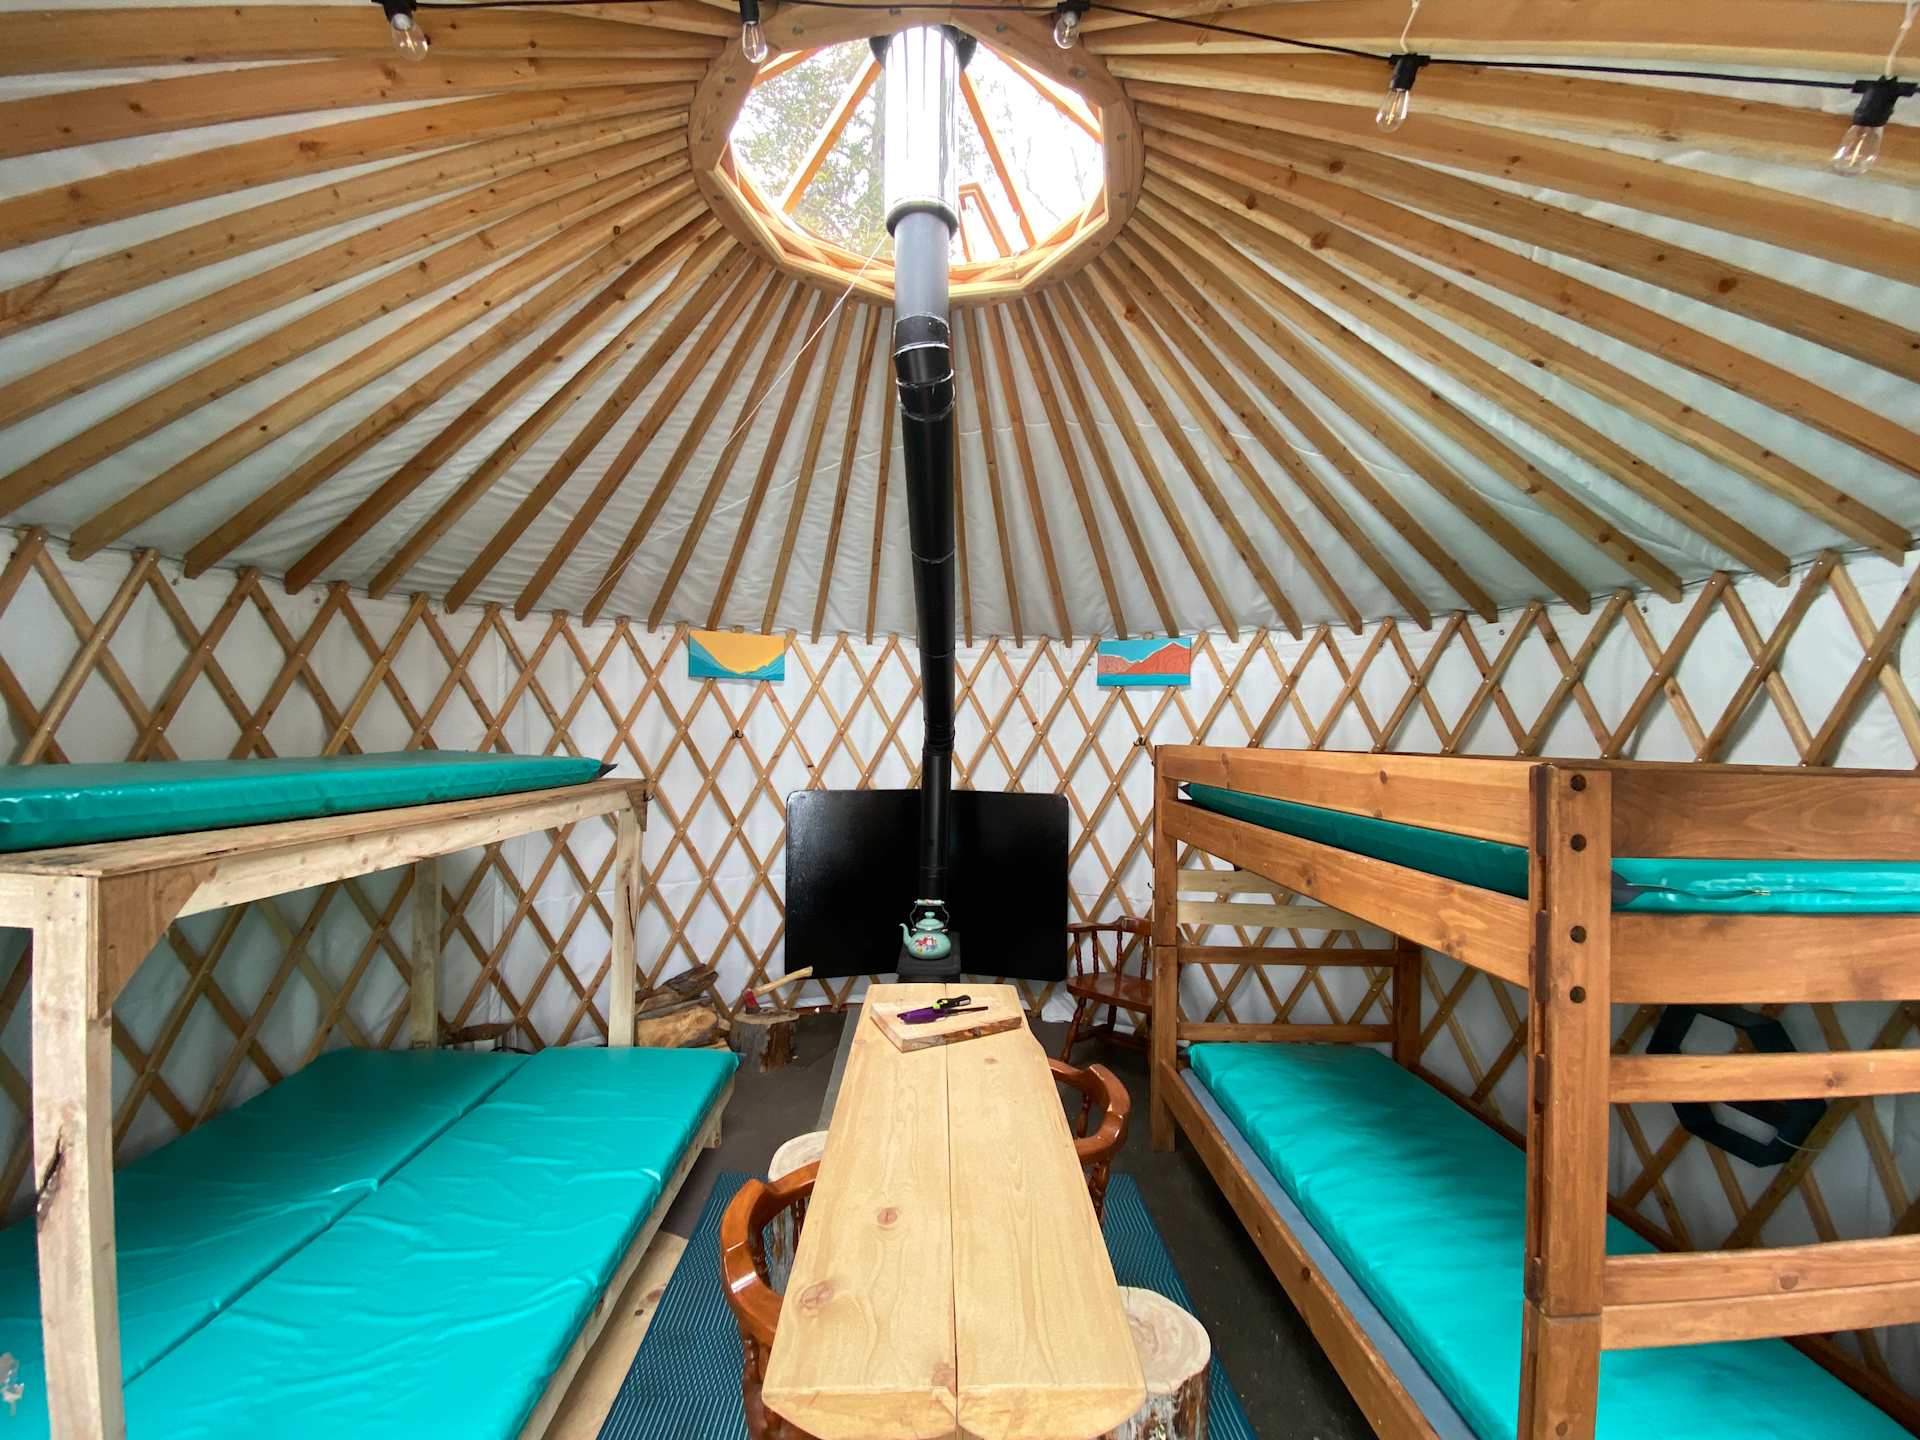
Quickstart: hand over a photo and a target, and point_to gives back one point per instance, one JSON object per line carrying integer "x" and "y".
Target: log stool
{"x": 763, "y": 1039}
{"x": 1174, "y": 1356}
{"x": 783, "y": 1230}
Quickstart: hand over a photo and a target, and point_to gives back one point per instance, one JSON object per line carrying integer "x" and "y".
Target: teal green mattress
{"x": 202, "y": 1220}
{"x": 1426, "y": 1207}
{"x": 442, "y": 1303}
{"x": 47, "y": 806}
{"x": 1758, "y": 886}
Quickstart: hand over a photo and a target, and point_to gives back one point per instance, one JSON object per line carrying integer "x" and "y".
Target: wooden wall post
{"x": 1568, "y": 1118}
{"x": 423, "y": 998}
{"x": 1164, "y": 1052}
{"x": 1406, "y": 1003}
{"x": 73, "y": 1165}
{"x": 626, "y": 919}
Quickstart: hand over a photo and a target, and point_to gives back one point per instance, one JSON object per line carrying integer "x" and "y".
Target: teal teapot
{"x": 928, "y": 940}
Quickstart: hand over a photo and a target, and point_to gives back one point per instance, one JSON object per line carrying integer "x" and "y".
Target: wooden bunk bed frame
{"x": 1576, "y": 957}
{"x": 95, "y": 911}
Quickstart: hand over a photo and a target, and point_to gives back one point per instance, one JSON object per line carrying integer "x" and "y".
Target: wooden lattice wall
{"x": 120, "y": 658}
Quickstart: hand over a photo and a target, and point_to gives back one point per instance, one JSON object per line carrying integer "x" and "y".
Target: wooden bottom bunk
{"x": 1577, "y": 1288}
{"x": 94, "y": 912}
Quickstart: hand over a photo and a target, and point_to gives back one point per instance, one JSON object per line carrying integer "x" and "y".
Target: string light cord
{"x": 1291, "y": 42}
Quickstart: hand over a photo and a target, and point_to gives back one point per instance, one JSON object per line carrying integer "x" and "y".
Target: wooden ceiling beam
{"x": 597, "y": 173}
{"x": 1041, "y": 373}
{"x": 703, "y": 319}
{"x": 1308, "y": 273}
{"x": 803, "y": 473}
{"x": 552, "y": 237}
{"x": 245, "y": 232}
{"x": 868, "y": 363}
{"x": 1845, "y": 36}
{"x": 757, "y": 390}
{"x": 527, "y": 433}
{"x": 188, "y": 102}
{"x": 1155, "y": 282}
{"x": 842, "y": 112}
{"x": 1514, "y": 469}
{"x": 681, "y": 214}
{"x": 996, "y": 160}
{"x": 1518, "y": 100}
{"x": 1302, "y": 352}
{"x": 1101, "y": 309}
{"x": 887, "y": 411}
{"x": 1539, "y": 346}
{"x": 160, "y": 184}
{"x": 995, "y": 326}
{"x": 1068, "y": 376}
{"x": 1726, "y": 364}
{"x": 1351, "y": 161}
{"x": 504, "y": 331}
{"x": 1169, "y": 260}
{"x": 1119, "y": 281}
{"x": 798, "y": 377}
{"x": 974, "y": 365}
{"x": 1061, "y": 306}
{"x": 410, "y": 474}
{"x": 70, "y": 38}
{"x": 700, "y": 425}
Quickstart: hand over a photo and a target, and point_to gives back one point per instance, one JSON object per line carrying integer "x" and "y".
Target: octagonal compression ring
{"x": 1024, "y": 39}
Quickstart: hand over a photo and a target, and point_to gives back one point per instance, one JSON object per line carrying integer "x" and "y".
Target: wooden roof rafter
{"x": 799, "y": 376}
{"x": 712, "y": 405}
{"x": 688, "y": 343}
{"x": 756, "y": 394}
{"x": 972, "y": 362}
{"x": 870, "y": 362}
{"x": 994, "y": 326}
{"x": 1448, "y": 248}
{"x": 1122, "y": 415}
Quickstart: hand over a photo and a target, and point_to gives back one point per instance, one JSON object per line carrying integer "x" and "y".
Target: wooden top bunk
{"x": 1629, "y": 808}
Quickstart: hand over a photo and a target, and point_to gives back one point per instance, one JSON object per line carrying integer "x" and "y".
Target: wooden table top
{"x": 950, "y": 1275}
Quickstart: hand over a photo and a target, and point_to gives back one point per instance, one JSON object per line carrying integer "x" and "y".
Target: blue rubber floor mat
{"x": 686, "y": 1379}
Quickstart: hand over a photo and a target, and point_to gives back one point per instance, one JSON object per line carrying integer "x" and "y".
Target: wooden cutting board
{"x": 1003, "y": 1012}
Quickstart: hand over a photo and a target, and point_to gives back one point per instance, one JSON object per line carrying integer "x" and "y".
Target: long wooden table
{"x": 950, "y": 1278}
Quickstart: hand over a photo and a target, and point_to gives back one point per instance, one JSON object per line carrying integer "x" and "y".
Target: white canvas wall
{"x": 1031, "y": 718}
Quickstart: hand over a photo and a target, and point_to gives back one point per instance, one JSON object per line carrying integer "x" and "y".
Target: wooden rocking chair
{"x": 1095, "y": 984}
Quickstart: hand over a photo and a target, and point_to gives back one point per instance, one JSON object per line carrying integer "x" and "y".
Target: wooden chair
{"x": 751, "y": 1297}
{"x": 1096, "y": 1147}
{"x": 1094, "y": 985}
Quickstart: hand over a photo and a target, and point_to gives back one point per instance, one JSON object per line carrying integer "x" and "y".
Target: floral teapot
{"x": 928, "y": 940}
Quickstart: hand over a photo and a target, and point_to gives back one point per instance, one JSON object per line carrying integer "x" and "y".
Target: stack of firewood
{"x": 682, "y": 1013}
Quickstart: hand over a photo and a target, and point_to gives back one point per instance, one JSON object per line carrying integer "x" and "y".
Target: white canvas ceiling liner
{"x": 1232, "y": 558}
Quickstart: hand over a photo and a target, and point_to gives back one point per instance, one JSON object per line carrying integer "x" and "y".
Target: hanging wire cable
{"x": 812, "y": 335}
{"x": 1291, "y": 42}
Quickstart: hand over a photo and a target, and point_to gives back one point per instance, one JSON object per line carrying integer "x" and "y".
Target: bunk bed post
{"x": 1406, "y": 1002}
{"x": 73, "y": 1160}
{"x": 1569, "y": 1035}
{"x": 423, "y": 989}
{"x": 625, "y": 977}
{"x": 1164, "y": 1037}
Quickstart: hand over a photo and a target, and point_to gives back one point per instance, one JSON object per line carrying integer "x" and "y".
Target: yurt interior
{"x": 1002, "y": 720}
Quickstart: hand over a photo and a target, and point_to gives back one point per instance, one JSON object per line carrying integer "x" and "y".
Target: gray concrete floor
{"x": 1289, "y": 1389}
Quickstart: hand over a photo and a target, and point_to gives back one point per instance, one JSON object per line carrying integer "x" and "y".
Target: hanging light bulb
{"x": 1393, "y": 110}
{"x": 408, "y": 38}
{"x": 753, "y": 39}
{"x": 1066, "y": 22}
{"x": 1860, "y": 146}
